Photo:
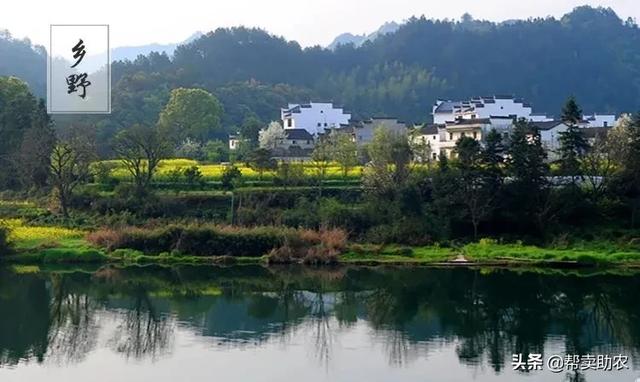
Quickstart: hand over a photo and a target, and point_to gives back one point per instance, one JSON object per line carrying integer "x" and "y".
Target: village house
{"x": 444, "y": 111}
{"x": 314, "y": 117}
{"x": 362, "y": 132}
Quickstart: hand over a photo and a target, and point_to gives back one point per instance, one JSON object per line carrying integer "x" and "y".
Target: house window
{"x": 308, "y": 142}
{"x": 289, "y": 122}
{"x": 434, "y": 137}
{"x": 475, "y": 135}
{"x": 605, "y": 124}
{"x": 434, "y": 156}
{"x": 451, "y": 136}
{"x": 293, "y": 142}
{"x": 325, "y": 124}
{"x": 463, "y": 135}
{"x": 319, "y": 124}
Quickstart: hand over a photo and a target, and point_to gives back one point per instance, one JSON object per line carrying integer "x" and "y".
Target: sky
{"x": 139, "y": 22}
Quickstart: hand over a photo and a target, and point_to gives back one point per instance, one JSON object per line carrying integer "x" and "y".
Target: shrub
{"x": 282, "y": 244}
{"x": 5, "y": 246}
{"x": 106, "y": 238}
{"x": 231, "y": 175}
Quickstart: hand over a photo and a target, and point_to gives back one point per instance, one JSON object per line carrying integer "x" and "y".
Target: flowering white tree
{"x": 271, "y": 137}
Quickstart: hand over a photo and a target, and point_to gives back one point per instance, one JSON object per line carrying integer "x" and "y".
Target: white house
{"x": 362, "y": 131}
{"x": 550, "y": 136}
{"x": 444, "y": 111}
{"x": 314, "y": 117}
{"x": 598, "y": 120}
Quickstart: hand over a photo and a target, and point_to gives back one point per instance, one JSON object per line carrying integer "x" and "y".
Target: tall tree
{"x": 571, "y": 112}
{"x": 472, "y": 191}
{"x": 573, "y": 144}
{"x": 527, "y": 166}
{"x": 191, "y": 113}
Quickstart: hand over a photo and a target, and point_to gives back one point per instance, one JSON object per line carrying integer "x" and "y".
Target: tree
{"x": 472, "y": 192}
{"x": 140, "y": 149}
{"x": 573, "y": 144}
{"x": 388, "y": 169}
{"x": 216, "y": 151}
{"x": 272, "y": 137}
{"x": 345, "y": 152}
{"x": 33, "y": 157}
{"x": 571, "y": 112}
{"x": 527, "y": 166}
{"x": 69, "y": 167}
{"x": 250, "y": 129}
{"x": 492, "y": 158}
{"x": 320, "y": 160}
{"x": 260, "y": 160}
{"x": 193, "y": 114}
{"x": 22, "y": 115}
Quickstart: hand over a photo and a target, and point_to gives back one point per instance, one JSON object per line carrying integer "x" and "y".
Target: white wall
{"x": 315, "y": 118}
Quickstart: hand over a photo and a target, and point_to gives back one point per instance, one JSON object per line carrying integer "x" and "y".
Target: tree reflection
{"x": 74, "y": 330}
{"x": 143, "y": 332}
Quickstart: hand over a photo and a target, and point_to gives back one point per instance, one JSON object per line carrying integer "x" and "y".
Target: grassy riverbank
{"x": 42, "y": 244}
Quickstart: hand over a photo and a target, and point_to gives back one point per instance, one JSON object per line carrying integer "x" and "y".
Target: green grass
{"x": 488, "y": 250}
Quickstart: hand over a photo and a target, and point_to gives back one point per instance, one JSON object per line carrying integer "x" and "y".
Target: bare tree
{"x": 69, "y": 166}
{"x": 141, "y": 148}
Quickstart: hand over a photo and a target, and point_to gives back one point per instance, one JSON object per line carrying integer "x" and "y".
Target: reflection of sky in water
{"x": 387, "y": 334}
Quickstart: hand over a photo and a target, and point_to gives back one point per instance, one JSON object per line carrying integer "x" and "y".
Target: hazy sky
{"x": 136, "y": 22}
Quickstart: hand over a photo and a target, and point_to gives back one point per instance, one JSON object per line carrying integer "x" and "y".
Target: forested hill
{"x": 589, "y": 52}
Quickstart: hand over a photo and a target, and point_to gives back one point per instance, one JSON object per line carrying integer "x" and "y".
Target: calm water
{"x": 295, "y": 324}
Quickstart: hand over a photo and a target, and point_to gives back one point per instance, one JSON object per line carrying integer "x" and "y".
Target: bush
{"x": 231, "y": 175}
{"x": 212, "y": 240}
{"x": 5, "y": 246}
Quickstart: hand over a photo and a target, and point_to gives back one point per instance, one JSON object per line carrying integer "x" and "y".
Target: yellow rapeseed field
{"x": 19, "y": 232}
{"x": 213, "y": 172}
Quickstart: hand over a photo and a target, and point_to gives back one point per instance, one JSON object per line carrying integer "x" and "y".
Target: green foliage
{"x": 193, "y": 177}
{"x": 231, "y": 175}
{"x": 216, "y": 151}
{"x": 260, "y": 160}
{"x": 5, "y": 246}
{"x": 193, "y": 114}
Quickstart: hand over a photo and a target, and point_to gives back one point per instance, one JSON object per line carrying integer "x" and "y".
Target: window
{"x": 451, "y": 136}
{"x": 325, "y": 124}
{"x": 605, "y": 124}
{"x": 475, "y": 135}
{"x": 308, "y": 142}
{"x": 463, "y": 134}
{"x": 293, "y": 142}
{"x": 434, "y": 156}
{"x": 434, "y": 137}
{"x": 319, "y": 124}
{"x": 289, "y": 122}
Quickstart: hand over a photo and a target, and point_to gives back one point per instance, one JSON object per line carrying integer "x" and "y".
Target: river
{"x": 252, "y": 323}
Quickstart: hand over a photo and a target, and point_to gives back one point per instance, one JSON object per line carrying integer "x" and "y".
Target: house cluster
{"x": 305, "y": 124}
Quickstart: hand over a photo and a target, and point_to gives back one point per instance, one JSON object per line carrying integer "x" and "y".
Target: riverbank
{"x": 483, "y": 253}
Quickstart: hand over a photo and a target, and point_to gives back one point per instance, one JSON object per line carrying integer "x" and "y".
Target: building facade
{"x": 444, "y": 111}
{"x": 314, "y": 117}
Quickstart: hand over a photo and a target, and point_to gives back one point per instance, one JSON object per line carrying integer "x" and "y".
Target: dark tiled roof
{"x": 429, "y": 129}
{"x": 299, "y": 134}
{"x": 547, "y": 125}
{"x": 473, "y": 121}
{"x": 593, "y": 132}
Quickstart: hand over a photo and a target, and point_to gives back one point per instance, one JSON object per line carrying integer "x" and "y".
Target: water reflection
{"x": 61, "y": 317}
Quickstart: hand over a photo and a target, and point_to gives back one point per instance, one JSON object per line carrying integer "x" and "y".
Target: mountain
{"x": 358, "y": 40}
{"x": 589, "y": 53}
{"x": 132, "y": 52}
{"x": 21, "y": 59}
